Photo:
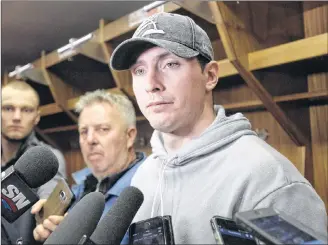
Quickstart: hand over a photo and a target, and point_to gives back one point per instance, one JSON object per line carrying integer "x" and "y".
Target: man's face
{"x": 19, "y": 113}
{"x": 170, "y": 90}
{"x": 104, "y": 140}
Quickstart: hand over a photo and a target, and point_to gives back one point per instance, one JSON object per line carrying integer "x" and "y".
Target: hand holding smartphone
{"x": 57, "y": 203}
{"x": 274, "y": 227}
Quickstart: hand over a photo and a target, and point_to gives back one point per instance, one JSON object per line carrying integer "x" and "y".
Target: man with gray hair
{"x": 107, "y": 131}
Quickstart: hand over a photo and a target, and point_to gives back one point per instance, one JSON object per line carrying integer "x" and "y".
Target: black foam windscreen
{"x": 81, "y": 220}
{"x": 37, "y": 166}
{"x": 113, "y": 226}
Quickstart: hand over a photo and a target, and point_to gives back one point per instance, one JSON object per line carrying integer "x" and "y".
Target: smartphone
{"x": 57, "y": 203}
{"x": 227, "y": 232}
{"x": 273, "y": 227}
{"x": 157, "y": 230}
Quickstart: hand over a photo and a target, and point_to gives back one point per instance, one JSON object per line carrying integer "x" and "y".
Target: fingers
{"x": 40, "y": 233}
{"x": 37, "y": 206}
{"x": 52, "y": 222}
{"x": 43, "y": 231}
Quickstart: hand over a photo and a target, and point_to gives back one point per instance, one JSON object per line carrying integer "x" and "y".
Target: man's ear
{"x": 211, "y": 72}
{"x": 37, "y": 118}
{"x": 131, "y": 136}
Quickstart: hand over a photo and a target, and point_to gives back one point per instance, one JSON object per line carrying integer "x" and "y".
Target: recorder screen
{"x": 151, "y": 236}
{"x": 283, "y": 231}
{"x": 233, "y": 235}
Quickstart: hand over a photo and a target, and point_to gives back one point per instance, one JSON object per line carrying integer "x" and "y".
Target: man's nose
{"x": 91, "y": 137}
{"x": 154, "y": 82}
{"x": 17, "y": 115}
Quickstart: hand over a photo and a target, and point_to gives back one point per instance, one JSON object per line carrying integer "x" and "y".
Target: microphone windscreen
{"x": 81, "y": 220}
{"x": 37, "y": 166}
{"x": 113, "y": 226}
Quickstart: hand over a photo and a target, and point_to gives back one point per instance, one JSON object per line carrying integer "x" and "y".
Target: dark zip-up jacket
{"x": 21, "y": 231}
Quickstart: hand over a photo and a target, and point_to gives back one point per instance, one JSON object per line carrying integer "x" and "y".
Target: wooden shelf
{"x": 60, "y": 129}
{"x": 281, "y": 54}
{"x": 53, "y": 108}
{"x": 290, "y": 52}
{"x": 257, "y": 104}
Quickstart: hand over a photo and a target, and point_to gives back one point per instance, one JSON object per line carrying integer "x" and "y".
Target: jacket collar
{"x": 125, "y": 180}
{"x": 80, "y": 176}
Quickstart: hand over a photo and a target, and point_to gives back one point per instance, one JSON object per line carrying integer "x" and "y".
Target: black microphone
{"x": 114, "y": 225}
{"x": 81, "y": 220}
{"x": 34, "y": 168}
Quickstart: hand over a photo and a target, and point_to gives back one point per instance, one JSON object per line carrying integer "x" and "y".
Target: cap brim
{"x": 126, "y": 54}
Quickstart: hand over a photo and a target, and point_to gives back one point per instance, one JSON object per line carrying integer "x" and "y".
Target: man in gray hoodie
{"x": 203, "y": 163}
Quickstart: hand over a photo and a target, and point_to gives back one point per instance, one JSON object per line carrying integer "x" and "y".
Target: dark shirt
{"x": 30, "y": 141}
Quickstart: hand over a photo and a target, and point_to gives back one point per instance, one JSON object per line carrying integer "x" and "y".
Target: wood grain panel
{"x": 315, "y": 23}
{"x": 277, "y": 137}
{"x": 74, "y": 162}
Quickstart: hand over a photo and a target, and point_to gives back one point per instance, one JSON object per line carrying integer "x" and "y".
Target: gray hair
{"x": 121, "y": 102}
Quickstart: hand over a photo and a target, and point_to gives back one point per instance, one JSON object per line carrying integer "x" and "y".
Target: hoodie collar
{"x": 223, "y": 130}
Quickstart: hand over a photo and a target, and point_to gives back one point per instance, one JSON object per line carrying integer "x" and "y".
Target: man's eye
{"x": 172, "y": 64}
{"x": 139, "y": 71}
{"x": 7, "y": 108}
{"x": 83, "y": 132}
{"x": 28, "y": 110}
{"x": 103, "y": 130}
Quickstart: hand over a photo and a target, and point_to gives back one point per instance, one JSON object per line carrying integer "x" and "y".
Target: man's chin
{"x": 99, "y": 174}
{"x": 14, "y": 138}
{"x": 161, "y": 126}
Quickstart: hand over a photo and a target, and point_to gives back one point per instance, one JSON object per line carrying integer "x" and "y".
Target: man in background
{"x": 19, "y": 115}
{"x": 204, "y": 163}
{"x": 107, "y": 131}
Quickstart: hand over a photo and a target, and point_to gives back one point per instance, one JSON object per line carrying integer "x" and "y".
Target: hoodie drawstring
{"x": 159, "y": 187}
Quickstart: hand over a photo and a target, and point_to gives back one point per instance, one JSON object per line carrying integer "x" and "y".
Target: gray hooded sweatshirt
{"x": 225, "y": 170}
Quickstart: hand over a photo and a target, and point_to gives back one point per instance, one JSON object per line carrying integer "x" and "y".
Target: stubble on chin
{"x": 14, "y": 139}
